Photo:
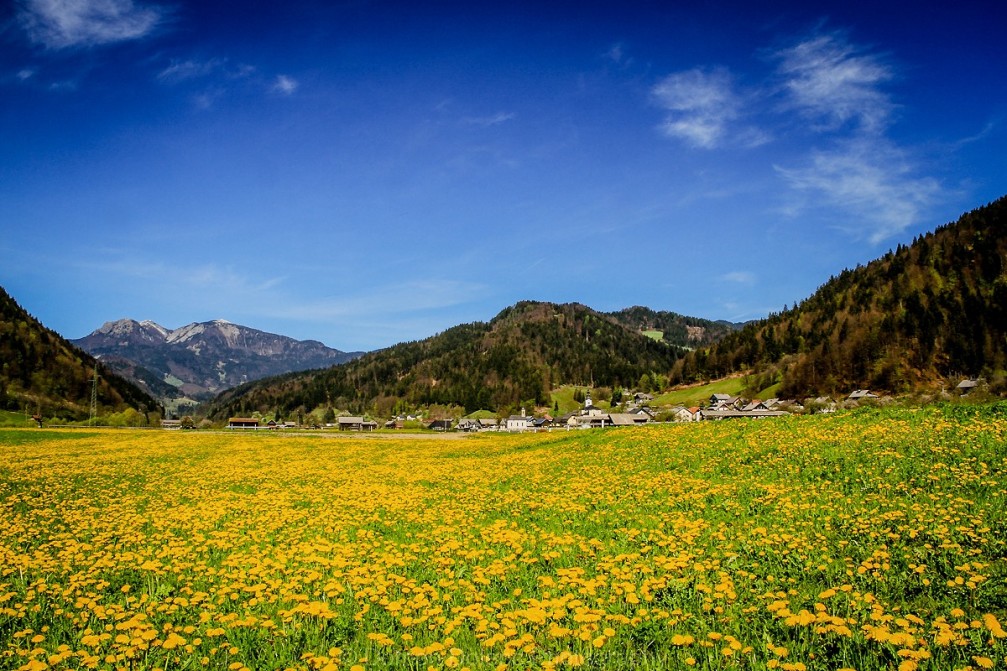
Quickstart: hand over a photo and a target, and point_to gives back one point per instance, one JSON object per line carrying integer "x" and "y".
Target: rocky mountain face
{"x": 197, "y": 361}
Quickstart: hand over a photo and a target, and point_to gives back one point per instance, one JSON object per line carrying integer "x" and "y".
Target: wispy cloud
{"x": 180, "y": 71}
{"x": 834, "y": 82}
{"x": 285, "y": 85}
{"x": 739, "y": 277}
{"x": 491, "y": 120}
{"x": 870, "y": 186}
{"x": 61, "y": 24}
{"x": 852, "y": 172}
{"x": 699, "y": 104}
{"x": 25, "y": 74}
{"x": 191, "y": 69}
{"x": 617, "y": 54}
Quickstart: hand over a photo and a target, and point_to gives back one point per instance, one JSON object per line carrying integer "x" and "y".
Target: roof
{"x": 752, "y": 414}
{"x": 968, "y": 384}
{"x": 351, "y": 420}
{"x": 624, "y": 419}
{"x": 243, "y": 420}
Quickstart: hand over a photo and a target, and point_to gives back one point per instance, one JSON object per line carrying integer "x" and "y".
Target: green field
{"x": 873, "y": 539}
{"x": 700, "y": 394}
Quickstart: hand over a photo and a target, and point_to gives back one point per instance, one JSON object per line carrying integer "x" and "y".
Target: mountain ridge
{"x": 193, "y": 362}
{"x": 515, "y": 358}
{"x": 912, "y": 319}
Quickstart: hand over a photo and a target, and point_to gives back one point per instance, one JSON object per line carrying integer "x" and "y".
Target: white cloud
{"x": 617, "y": 54}
{"x": 739, "y": 277}
{"x": 699, "y": 103}
{"x": 492, "y": 120}
{"x": 180, "y": 71}
{"x": 59, "y": 24}
{"x": 833, "y": 81}
{"x": 25, "y": 74}
{"x": 285, "y": 85}
{"x": 869, "y": 184}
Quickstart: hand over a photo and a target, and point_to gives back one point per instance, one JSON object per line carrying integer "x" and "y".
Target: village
{"x": 636, "y": 412}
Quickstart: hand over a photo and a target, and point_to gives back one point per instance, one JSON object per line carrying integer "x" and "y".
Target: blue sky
{"x": 364, "y": 173}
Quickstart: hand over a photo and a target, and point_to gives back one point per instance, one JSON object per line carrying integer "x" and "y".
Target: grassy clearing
{"x": 867, "y": 540}
{"x": 564, "y": 397}
{"x": 15, "y": 419}
{"x": 654, "y": 335}
{"x": 691, "y": 396}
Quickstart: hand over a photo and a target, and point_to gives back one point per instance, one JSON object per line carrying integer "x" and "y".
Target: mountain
{"x": 919, "y": 316}
{"x": 196, "y": 361}
{"x": 673, "y": 328}
{"x": 516, "y": 358}
{"x": 46, "y": 374}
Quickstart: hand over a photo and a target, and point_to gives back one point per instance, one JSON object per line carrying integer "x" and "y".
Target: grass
{"x": 481, "y": 414}
{"x": 699, "y": 394}
{"x": 769, "y": 392}
{"x": 564, "y": 397}
{"x": 868, "y": 540}
{"x": 654, "y": 335}
{"x": 17, "y": 419}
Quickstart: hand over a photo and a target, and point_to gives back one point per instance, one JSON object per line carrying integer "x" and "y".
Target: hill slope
{"x": 515, "y": 358}
{"x": 47, "y": 374}
{"x": 934, "y": 310}
{"x": 201, "y": 359}
{"x": 675, "y": 329}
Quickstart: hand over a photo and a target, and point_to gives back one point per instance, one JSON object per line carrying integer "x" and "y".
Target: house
{"x": 644, "y": 411}
{"x": 725, "y": 402}
{"x": 516, "y": 423}
{"x": 709, "y": 414}
{"x": 626, "y": 419}
{"x": 756, "y": 404}
{"x": 171, "y": 424}
{"x": 861, "y": 394}
{"x": 541, "y": 422}
{"x": 440, "y": 425}
{"x": 355, "y": 424}
{"x": 681, "y": 414}
{"x": 243, "y": 423}
{"x": 821, "y": 404}
{"x": 471, "y": 425}
{"x": 966, "y": 386}
{"x": 596, "y": 420}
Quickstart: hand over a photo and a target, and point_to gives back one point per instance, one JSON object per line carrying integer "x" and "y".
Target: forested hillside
{"x": 45, "y": 374}
{"x": 675, "y": 329}
{"x": 516, "y": 358}
{"x": 919, "y": 315}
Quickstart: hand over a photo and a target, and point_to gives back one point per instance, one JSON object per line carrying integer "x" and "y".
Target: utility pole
{"x": 94, "y": 395}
